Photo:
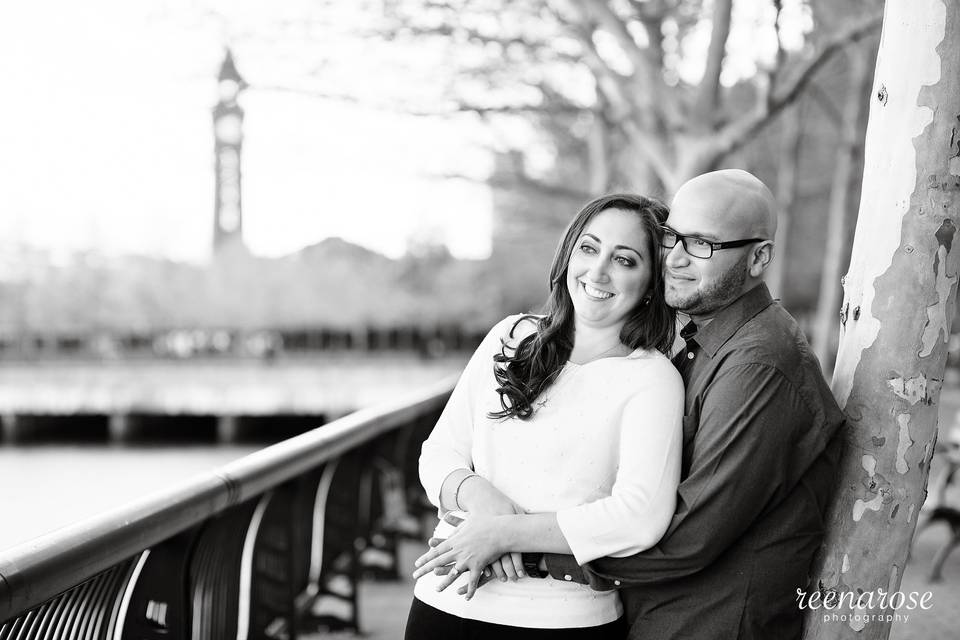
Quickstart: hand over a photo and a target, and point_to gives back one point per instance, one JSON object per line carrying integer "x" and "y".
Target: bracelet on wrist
{"x": 456, "y": 492}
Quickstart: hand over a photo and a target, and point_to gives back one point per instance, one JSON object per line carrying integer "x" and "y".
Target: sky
{"x": 106, "y": 139}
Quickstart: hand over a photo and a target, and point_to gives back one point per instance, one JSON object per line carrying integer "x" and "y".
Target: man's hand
{"x": 477, "y": 495}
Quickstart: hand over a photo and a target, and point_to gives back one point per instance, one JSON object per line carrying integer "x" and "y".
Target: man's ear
{"x": 760, "y": 258}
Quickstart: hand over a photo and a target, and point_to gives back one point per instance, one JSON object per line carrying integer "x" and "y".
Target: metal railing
{"x": 268, "y": 546}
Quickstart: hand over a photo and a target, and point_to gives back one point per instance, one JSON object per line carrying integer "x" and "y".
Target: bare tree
{"x": 899, "y": 303}
{"x": 622, "y": 63}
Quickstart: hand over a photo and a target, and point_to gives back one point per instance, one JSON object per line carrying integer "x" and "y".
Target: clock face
{"x": 228, "y": 128}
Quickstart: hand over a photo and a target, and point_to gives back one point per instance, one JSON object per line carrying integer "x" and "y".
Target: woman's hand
{"x": 476, "y": 543}
{"x": 509, "y": 566}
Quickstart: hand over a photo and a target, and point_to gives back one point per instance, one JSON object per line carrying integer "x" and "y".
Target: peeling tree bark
{"x": 899, "y": 298}
{"x": 851, "y": 145}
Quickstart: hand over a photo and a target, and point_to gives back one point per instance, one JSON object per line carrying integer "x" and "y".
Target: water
{"x": 44, "y": 487}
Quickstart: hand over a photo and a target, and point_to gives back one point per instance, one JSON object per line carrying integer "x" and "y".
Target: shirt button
{"x": 689, "y": 356}
{"x": 616, "y": 583}
{"x": 568, "y": 577}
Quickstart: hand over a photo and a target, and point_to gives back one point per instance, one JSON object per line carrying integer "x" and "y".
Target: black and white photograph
{"x": 479, "y": 319}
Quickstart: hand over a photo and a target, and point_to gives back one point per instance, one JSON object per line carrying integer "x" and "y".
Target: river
{"x": 44, "y": 486}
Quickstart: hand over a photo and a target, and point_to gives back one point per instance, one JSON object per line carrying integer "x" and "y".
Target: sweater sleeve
{"x": 644, "y": 493}
{"x": 450, "y": 445}
{"x": 742, "y": 454}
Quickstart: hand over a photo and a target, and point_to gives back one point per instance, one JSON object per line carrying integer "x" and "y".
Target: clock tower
{"x": 228, "y": 141}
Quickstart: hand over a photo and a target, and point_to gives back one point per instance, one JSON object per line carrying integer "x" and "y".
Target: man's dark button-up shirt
{"x": 760, "y": 454}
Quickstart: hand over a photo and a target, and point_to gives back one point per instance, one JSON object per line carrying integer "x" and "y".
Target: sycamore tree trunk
{"x": 899, "y": 297}
{"x": 851, "y": 145}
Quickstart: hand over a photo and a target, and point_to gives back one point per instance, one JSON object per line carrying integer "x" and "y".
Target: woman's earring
{"x": 646, "y": 301}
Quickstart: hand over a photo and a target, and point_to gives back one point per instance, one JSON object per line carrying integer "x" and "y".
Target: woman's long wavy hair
{"x": 525, "y": 371}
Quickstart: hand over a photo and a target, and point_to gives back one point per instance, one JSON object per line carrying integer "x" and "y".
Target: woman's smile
{"x": 594, "y": 293}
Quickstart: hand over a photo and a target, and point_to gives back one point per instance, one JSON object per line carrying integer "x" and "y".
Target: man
{"x": 761, "y": 437}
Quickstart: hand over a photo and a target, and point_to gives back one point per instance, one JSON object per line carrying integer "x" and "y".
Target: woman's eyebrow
{"x": 623, "y": 246}
{"x": 619, "y": 246}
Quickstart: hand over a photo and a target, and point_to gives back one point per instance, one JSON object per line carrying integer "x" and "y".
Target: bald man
{"x": 761, "y": 437}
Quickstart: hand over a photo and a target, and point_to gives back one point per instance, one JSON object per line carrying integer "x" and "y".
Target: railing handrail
{"x": 35, "y": 571}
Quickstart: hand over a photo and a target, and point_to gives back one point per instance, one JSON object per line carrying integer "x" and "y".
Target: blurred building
{"x": 228, "y": 144}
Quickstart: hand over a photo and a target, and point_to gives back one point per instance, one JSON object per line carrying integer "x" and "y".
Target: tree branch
{"x": 611, "y": 84}
{"x": 521, "y": 180}
{"x": 653, "y": 150}
{"x": 780, "y": 60}
{"x": 650, "y": 9}
{"x": 471, "y": 34}
{"x": 708, "y": 92}
{"x": 822, "y": 99}
{"x": 657, "y": 101}
{"x": 653, "y": 24}
{"x": 615, "y": 26}
{"x": 508, "y": 109}
{"x": 548, "y": 107}
{"x": 737, "y": 132}
{"x": 627, "y": 102}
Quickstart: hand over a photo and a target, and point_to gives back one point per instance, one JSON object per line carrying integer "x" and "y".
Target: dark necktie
{"x": 684, "y": 359}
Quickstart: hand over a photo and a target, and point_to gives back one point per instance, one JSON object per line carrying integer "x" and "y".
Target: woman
{"x": 573, "y": 417}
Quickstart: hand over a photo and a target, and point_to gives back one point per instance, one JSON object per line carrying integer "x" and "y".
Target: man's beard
{"x": 716, "y": 296}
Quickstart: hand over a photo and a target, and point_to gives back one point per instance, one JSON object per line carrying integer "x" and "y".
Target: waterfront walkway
{"x": 942, "y": 621}
{"x": 384, "y": 605}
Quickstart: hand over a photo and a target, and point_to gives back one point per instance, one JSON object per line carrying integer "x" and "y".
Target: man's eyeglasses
{"x": 699, "y": 247}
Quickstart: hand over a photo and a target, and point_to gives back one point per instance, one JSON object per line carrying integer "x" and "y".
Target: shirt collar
{"x": 726, "y": 323}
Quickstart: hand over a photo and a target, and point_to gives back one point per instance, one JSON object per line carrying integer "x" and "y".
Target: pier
{"x": 204, "y": 399}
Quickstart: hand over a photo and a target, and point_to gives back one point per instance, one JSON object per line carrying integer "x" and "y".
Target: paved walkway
{"x": 384, "y": 605}
{"x": 942, "y": 621}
